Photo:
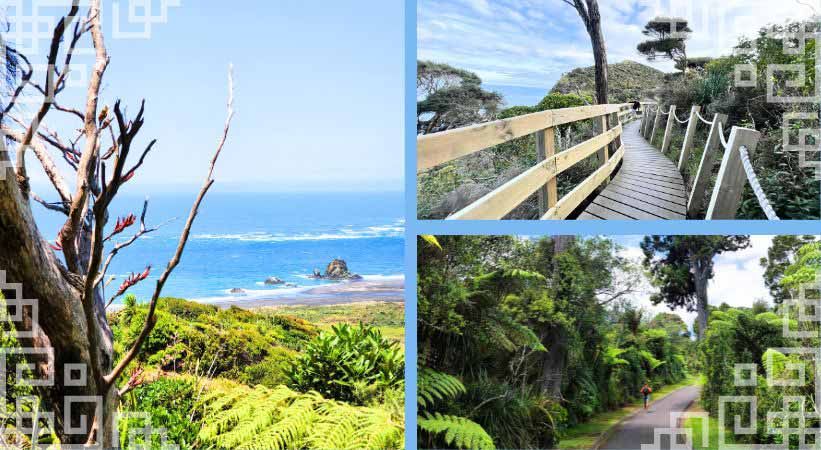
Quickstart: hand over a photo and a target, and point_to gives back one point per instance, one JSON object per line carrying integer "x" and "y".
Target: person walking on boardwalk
{"x": 646, "y": 390}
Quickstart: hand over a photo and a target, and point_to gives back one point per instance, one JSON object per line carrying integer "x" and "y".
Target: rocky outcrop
{"x": 238, "y": 291}
{"x": 337, "y": 270}
{"x": 271, "y": 281}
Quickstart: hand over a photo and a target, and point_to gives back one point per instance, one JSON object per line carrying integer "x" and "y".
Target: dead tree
{"x": 64, "y": 327}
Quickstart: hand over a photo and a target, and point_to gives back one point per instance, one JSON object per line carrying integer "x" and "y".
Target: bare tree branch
{"x": 209, "y": 181}
{"x": 57, "y": 37}
{"x": 45, "y": 160}
{"x": 87, "y": 165}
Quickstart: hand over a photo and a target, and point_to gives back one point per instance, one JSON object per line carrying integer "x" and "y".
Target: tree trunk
{"x": 701, "y": 268}
{"x": 52, "y": 329}
{"x": 599, "y": 50}
{"x": 555, "y": 358}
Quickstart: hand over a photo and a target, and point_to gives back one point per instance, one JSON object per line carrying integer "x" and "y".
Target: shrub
{"x": 352, "y": 364}
{"x": 170, "y": 404}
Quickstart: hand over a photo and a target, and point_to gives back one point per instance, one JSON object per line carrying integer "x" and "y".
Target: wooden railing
{"x": 439, "y": 148}
{"x": 735, "y": 171}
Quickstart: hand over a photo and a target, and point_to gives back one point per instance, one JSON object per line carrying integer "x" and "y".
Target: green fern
{"x": 458, "y": 432}
{"x": 240, "y": 417}
{"x": 433, "y": 386}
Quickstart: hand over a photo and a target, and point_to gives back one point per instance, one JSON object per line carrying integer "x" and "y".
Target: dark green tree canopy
{"x": 781, "y": 255}
{"x": 670, "y": 260}
{"x": 667, "y": 39}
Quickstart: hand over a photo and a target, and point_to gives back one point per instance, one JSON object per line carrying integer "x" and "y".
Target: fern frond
{"x": 433, "y": 386}
{"x": 458, "y": 432}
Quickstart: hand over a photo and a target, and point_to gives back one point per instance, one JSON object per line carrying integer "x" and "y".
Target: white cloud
{"x": 531, "y": 43}
{"x": 738, "y": 278}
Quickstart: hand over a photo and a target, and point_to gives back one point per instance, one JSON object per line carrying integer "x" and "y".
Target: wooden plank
{"x": 496, "y": 204}
{"x": 607, "y": 214}
{"x": 628, "y": 209}
{"x": 731, "y": 178}
{"x": 546, "y": 148}
{"x": 672, "y": 188}
{"x": 689, "y": 135}
{"x": 587, "y": 216}
{"x": 705, "y": 167}
{"x": 654, "y": 211}
{"x": 673, "y": 207}
{"x": 438, "y": 148}
{"x": 571, "y": 201}
{"x": 641, "y": 186}
{"x": 643, "y": 190}
{"x": 654, "y": 175}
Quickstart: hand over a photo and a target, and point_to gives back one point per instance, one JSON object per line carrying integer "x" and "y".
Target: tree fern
{"x": 433, "y": 386}
{"x": 458, "y": 432}
{"x": 240, "y": 417}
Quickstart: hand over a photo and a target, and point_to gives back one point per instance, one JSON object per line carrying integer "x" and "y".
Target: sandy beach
{"x": 391, "y": 290}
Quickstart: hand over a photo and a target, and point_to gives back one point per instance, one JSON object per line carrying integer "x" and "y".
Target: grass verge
{"x": 586, "y": 434}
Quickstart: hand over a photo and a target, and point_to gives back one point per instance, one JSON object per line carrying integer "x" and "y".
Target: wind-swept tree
{"x": 451, "y": 98}
{"x": 589, "y": 12}
{"x": 681, "y": 266}
{"x": 64, "y": 327}
{"x": 668, "y": 36}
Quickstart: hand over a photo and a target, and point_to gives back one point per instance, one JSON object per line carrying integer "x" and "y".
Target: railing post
{"x": 656, "y": 123}
{"x": 705, "y": 168}
{"x": 546, "y": 148}
{"x": 604, "y": 152}
{"x": 731, "y": 177}
{"x": 668, "y": 130}
{"x": 645, "y": 120}
{"x": 689, "y": 136}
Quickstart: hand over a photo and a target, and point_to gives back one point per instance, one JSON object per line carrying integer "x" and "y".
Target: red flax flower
{"x": 132, "y": 280}
{"x": 57, "y": 245}
{"x": 127, "y": 177}
{"x": 122, "y": 224}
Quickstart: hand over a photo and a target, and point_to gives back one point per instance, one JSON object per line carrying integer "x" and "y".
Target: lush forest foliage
{"x": 756, "y": 337}
{"x": 712, "y": 83}
{"x": 233, "y": 378}
{"x": 522, "y": 339}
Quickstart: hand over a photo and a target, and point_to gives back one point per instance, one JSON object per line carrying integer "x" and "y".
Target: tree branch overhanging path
{"x": 588, "y": 11}
{"x": 67, "y": 325}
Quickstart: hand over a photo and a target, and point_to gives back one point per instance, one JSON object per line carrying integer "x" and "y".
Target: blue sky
{"x": 319, "y": 92}
{"x": 531, "y": 43}
{"x": 738, "y": 277}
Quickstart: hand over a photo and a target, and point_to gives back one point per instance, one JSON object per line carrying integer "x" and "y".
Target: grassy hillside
{"x": 627, "y": 81}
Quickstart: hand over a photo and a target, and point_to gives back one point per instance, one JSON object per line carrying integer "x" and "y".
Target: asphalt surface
{"x": 639, "y": 429}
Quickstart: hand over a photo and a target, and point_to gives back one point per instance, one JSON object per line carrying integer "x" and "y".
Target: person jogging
{"x": 646, "y": 390}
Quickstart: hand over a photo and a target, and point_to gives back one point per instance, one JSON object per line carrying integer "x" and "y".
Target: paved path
{"x": 638, "y": 430}
{"x": 648, "y": 186}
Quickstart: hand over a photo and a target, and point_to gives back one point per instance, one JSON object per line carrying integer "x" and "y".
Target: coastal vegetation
{"x": 538, "y": 343}
{"x": 782, "y": 167}
{"x": 234, "y": 378}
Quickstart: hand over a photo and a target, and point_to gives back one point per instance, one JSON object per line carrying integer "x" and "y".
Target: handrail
{"x": 707, "y": 122}
{"x": 736, "y": 168}
{"x": 675, "y": 116}
{"x": 438, "y": 148}
{"x": 755, "y": 185}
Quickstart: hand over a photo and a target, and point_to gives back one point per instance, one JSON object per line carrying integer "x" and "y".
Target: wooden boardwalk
{"x": 647, "y": 187}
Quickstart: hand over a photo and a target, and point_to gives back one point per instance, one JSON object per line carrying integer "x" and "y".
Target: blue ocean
{"x": 240, "y": 239}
